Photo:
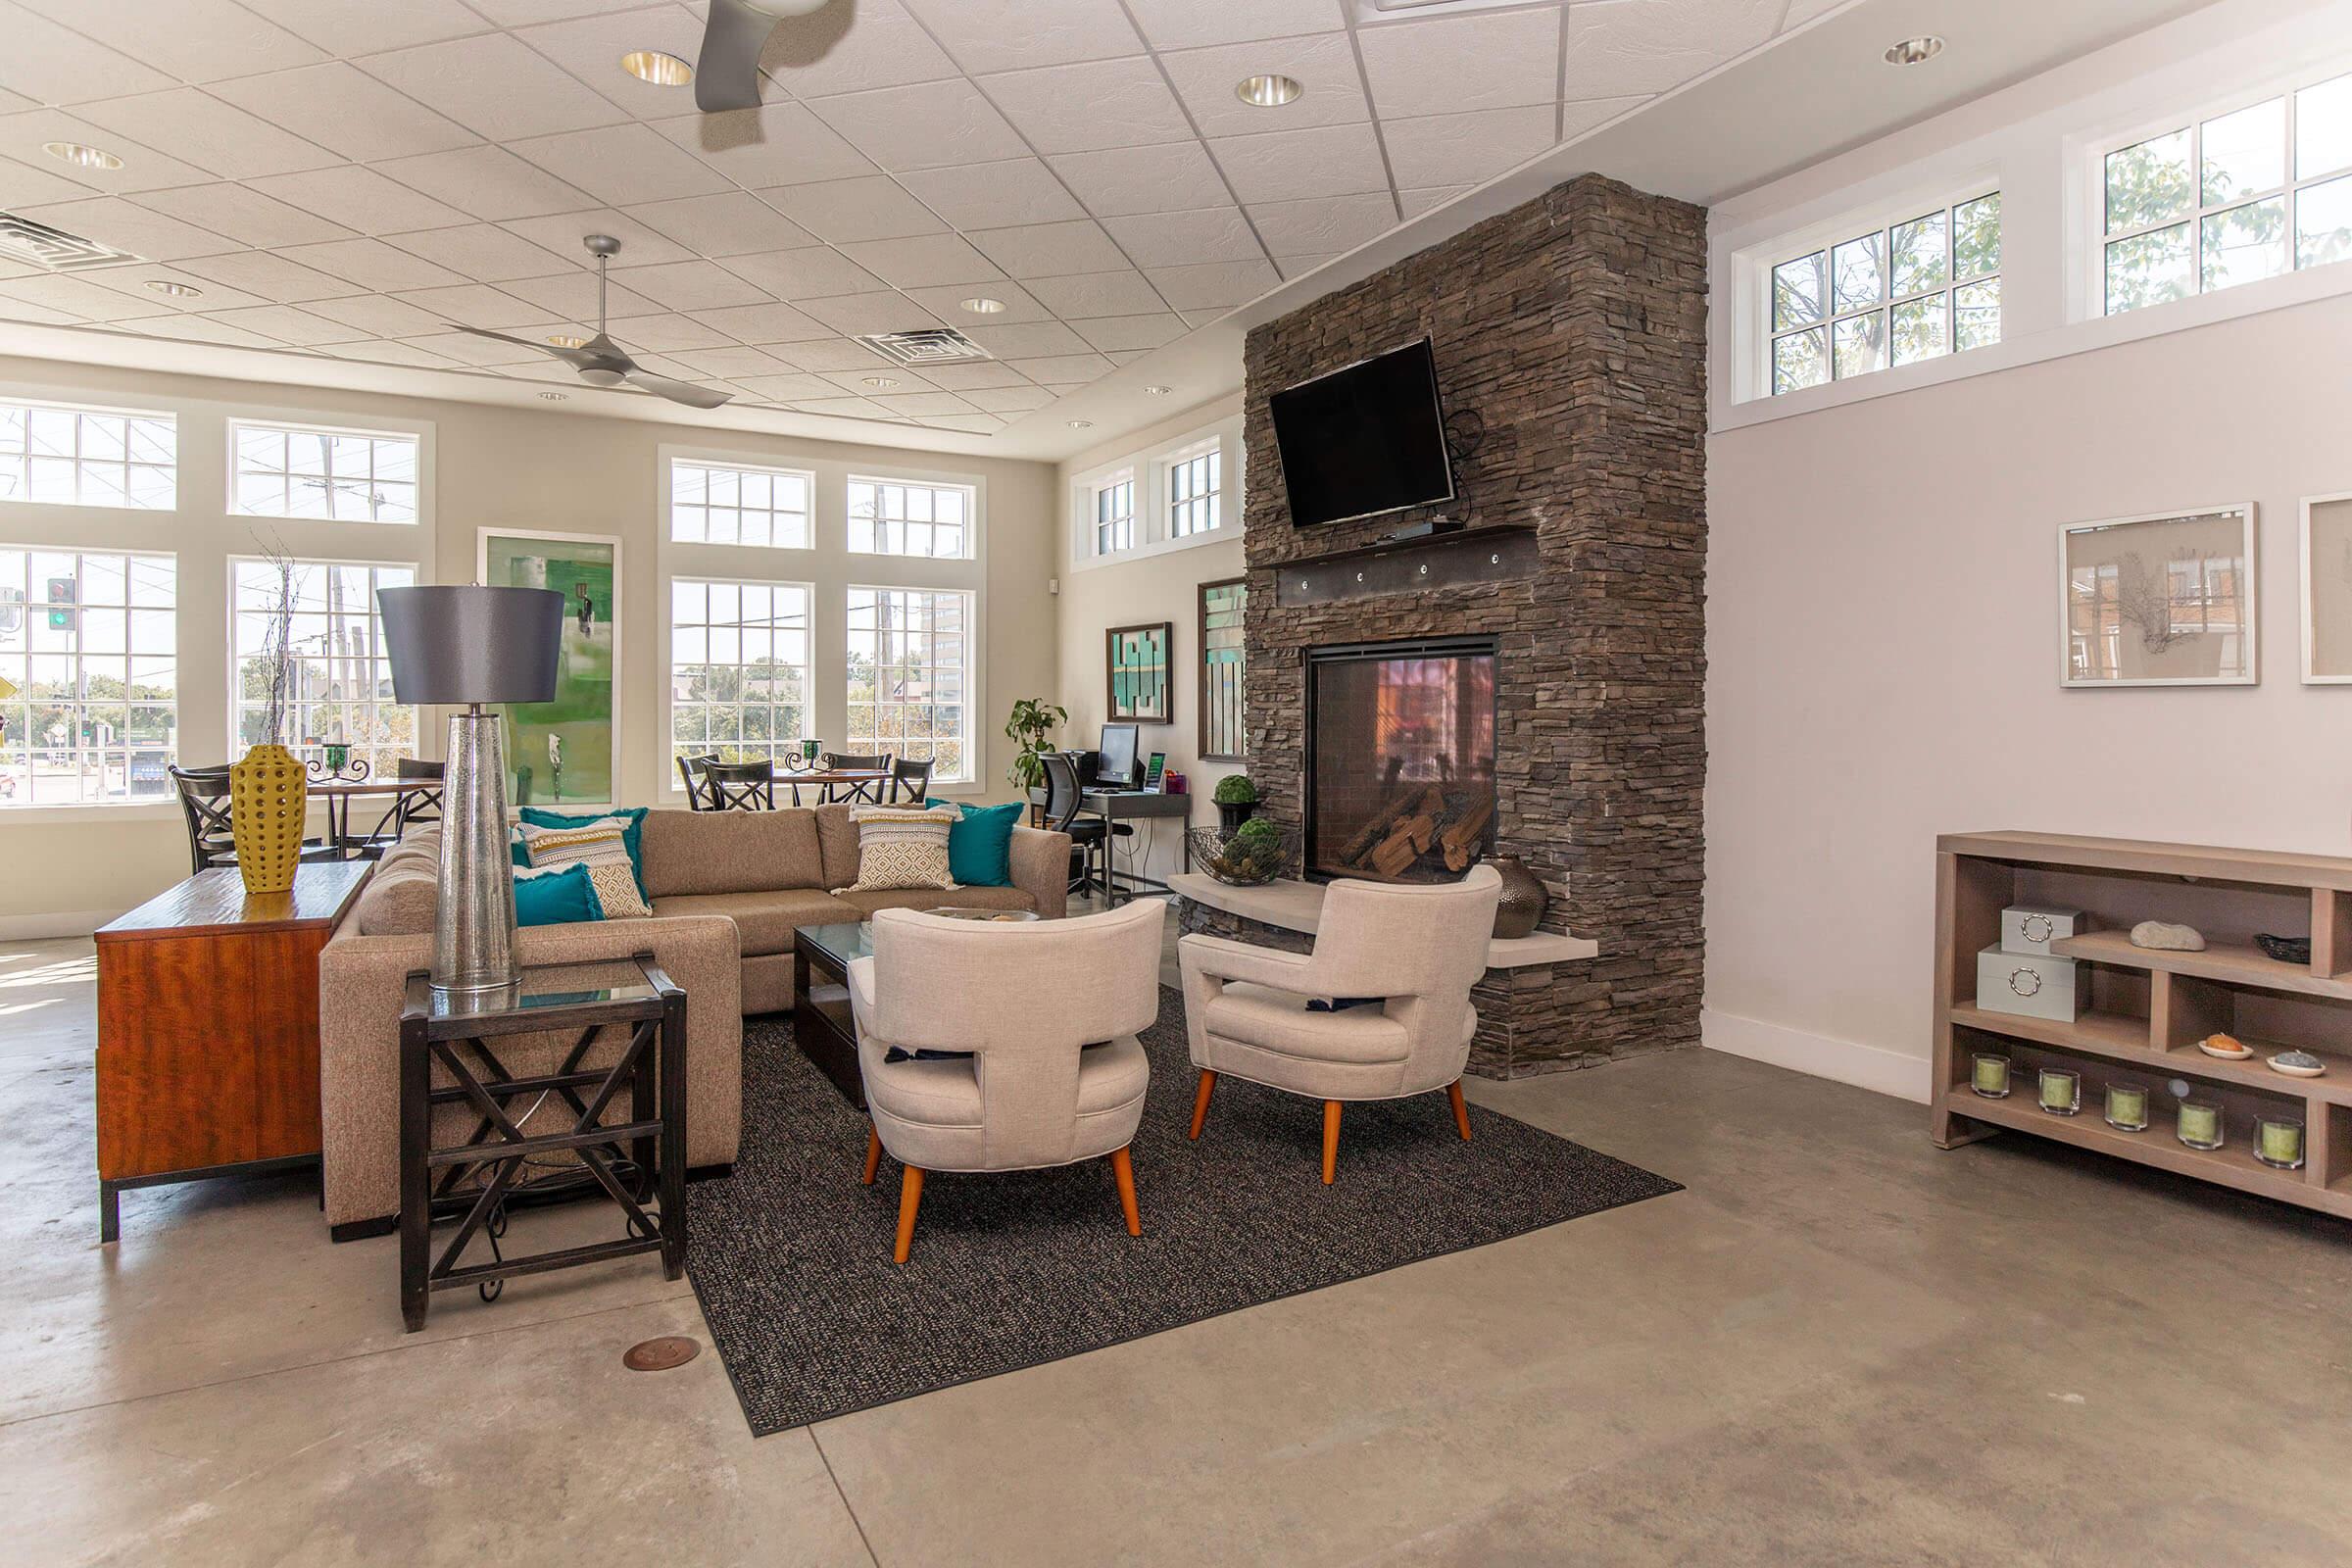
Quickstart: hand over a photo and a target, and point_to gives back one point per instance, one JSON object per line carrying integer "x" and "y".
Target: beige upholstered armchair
{"x": 1418, "y": 949}
{"x": 1025, "y": 1000}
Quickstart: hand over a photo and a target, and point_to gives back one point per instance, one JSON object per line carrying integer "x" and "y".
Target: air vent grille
{"x": 932, "y": 345}
{"x": 53, "y": 250}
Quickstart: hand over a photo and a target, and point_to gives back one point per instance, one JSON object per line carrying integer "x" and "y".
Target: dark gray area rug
{"x": 790, "y": 1256}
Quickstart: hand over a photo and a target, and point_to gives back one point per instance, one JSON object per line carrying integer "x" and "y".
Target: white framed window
{"x": 1114, "y": 513}
{"x": 739, "y": 668}
{"x": 2209, "y": 201}
{"x": 340, "y": 686}
{"x": 1914, "y": 288}
{"x": 898, "y": 517}
{"x": 1194, "y": 482}
{"x": 739, "y": 504}
{"x": 71, "y": 457}
{"x": 89, "y": 668}
{"x": 910, "y": 677}
{"x": 294, "y": 471}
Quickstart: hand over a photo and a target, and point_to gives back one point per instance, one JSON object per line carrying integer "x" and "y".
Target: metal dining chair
{"x": 872, "y": 792}
{"x": 741, "y": 786}
{"x": 408, "y": 809}
{"x": 910, "y": 780}
{"x": 698, "y": 785}
{"x": 203, "y": 804}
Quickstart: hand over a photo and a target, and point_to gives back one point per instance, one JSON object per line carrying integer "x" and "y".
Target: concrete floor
{"x": 1837, "y": 1346}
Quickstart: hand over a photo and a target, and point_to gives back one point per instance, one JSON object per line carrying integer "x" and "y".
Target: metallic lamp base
{"x": 473, "y": 925}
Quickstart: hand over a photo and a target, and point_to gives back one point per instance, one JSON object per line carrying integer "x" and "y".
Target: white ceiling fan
{"x": 600, "y": 361}
{"x": 728, "y": 76}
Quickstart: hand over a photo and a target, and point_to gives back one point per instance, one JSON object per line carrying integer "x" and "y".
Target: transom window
{"x": 910, "y": 677}
{"x": 89, "y": 679}
{"x": 2242, "y": 196}
{"x": 339, "y": 686}
{"x": 1915, "y": 289}
{"x": 891, "y": 517}
{"x": 1115, "y": 515}
{"x": 737, "y": 503}
{"x": 739, "y": 682}
{"x": 1194, "y": 482}
{"x": 290, "y": 470}
{"x": 85, "y": 457}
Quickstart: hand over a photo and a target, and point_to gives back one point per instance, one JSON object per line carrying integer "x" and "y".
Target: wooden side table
{"x": 207, "y": 1030}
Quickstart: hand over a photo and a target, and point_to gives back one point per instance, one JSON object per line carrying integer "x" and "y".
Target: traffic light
{"x": 61, "y": 604}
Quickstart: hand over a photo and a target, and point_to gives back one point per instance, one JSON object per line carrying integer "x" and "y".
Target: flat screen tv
{"x": 1367, "y": 439}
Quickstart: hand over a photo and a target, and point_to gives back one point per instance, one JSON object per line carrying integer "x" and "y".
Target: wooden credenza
{"x": 207, "y": 1030}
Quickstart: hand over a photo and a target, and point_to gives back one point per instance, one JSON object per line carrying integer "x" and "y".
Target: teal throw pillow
{"x": 560, "y": 897}
{"x": 980, "y": 843}
{"x": 632, "y": 834}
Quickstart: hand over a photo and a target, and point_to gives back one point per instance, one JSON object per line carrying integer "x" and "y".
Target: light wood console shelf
{"x": 2150, "y": 1008}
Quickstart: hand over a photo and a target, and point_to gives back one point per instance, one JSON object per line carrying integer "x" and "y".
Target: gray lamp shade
{"x": 460, "y": 645}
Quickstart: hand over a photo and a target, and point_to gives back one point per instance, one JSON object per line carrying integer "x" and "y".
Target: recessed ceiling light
{"x": 882, "y": 381}
{"x": 177, "y": 291}
{"x": 1915, "y": 51}
{"x": 982, "y": 305}
{"x": 568, "y": 342}
{"x": 662, "y": 69}
{"x": 1268, "y": 92}
{"x": 1157, "y": 391}
{"x": 81, "y": 157}
{"x": 1082, "y": 425}
{"x": 555, "y": 397}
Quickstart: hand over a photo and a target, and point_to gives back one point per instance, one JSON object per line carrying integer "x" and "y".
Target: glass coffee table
{"x": 822, "y": 1024}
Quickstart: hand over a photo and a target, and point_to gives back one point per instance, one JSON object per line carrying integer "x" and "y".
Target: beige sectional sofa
{"x": 727, "y": 888}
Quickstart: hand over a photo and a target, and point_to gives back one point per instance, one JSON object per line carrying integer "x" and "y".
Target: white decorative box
{"x": 2028, "y": 929}
{"x": 2032, "y": 984}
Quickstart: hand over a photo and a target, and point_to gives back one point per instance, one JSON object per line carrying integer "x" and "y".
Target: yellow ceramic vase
{"x": 268, "y": 798}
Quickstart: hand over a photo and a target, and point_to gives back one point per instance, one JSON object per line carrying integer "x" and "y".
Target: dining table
{"x": 338, "y": 793}
{"x": 828, "y": 780}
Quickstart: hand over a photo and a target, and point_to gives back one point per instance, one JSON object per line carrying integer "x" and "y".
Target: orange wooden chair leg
{"x": 1461, "y": 1111}
{"x": 873, "y": 1155}
{"x": 1124, "y": 1169}
{"x": 1208, "y": 1082}
{"x": 1331, "y": 1140}
{"x": 911, "y": 1199}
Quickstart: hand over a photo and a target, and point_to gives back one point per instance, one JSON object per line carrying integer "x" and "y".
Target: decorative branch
{"x": 278, "y": 642}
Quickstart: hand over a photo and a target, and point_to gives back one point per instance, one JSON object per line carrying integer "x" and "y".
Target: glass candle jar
{"x": 2061, "y": 1090}
{"x": 1990, "y": 1076}
{"x": 2127, "y": 1107}
{"x": 2278, "y": 1142}
{"x": 2200, "y": 1125}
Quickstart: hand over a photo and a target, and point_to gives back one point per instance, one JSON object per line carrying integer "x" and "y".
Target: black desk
{"x": 1117, "y": 805}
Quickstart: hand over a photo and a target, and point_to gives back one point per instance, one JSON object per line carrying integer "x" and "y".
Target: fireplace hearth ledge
{"x": 1299, "y": 906}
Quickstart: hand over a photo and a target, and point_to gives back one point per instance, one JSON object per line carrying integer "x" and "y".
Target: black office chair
{"x": 697, "y": 787}
{"x": 872, "y": 793}
{"x": 910, "y": 781}
{"x": 741, "y": 786}
{"x": 1063, "y": 799}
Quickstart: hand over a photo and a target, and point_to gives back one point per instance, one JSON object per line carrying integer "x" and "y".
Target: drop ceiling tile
{"x": 1171, "y": 177}
{"x": 834, "y": 354}
{"x": 197, "y": 330}
{"x": 969, "y": 423}
{"x": 54, "y": 64}
{"x": 1579, "y": 118}
{"x": 21, "y": 185}
{"x": 1179, "y": 240}
{"x": 766, "y": 323}
{"x": 622, "y": 164}
{"x": 345, "y": 111}
{"x": 1077, "y": 109}
{"x": 1202, "y": 317}
{"x": 780, "y": 144}
{"x": 842, "y": 408}
{"x": 1616, "y": 50}
{"x": 191, "y": 41}
{"x": 871, "y": 379}
{"x": 1017, "y": 190}
{"x": 657, "y": 334}
{"x": 1324, "y": 64}
{"x": 987, "y": 35}
{"x": 133, "y": 280}
{"x": 1050, "y": 250}
{"x": 144, "y": 168}
{"x": 130, "y": 227}
{"x": 252, "y": 219}
{"x": 378, "y": 316}
{"x": 922, "y": 259}
{"x": 1416, "y": 202}
{"x": 591, "y": 47}
{"x": 1217, "y": 285}
{"x": 696, "y": 285}
{"x": 487, "y": 183}
{"x": 1064, "y": 369}
{"x": 348, "y": 27}
{"x": 731, "y": 364}
{"x": 492, "y": 86}
{"x": 1325, "y": 225}
{"x": 372, "y": 265}
{"x": 479, "y": 305}
{"x": 524, "y": 13}
{"x": 563, "y": 234}
{"x": 948, "y": 304}
{"x": 1189, "y": 25}
{"x": 923, "y": 405}
{"x": 480, "y": 352}
{"x": 729, "y": 223}
{"x": 81, "y": 299}
{"x": 1126, "y": 355}
{"x": 388, "y": 353}
{"x": 976, "y": 375}
{"x": 1298, "y": 267}
{"x": 485, "y": 252}
{"x": 1464, "y": 149}
{"x": 1009, "y": 399}
{"x": 288, "y": 324}
{"x": 573, "y": 296}
{"x": 1476, "y": 60}
{"x": 218, "y": 135}
{"x": 886, "y": 48}
{"x": 855, "y": 314}
{"x": 358, "y": 199}
{"x": 843, "y": 210}
{"x": 270, "y": 277}
{"x": 1291, "y": 165}
{"x": 1119, "y": 335}
{"x": 785, "y": 389}
{"x": 11, "y": 102}
{"x": 1027, "y": 342}
{"x": 1803, "y": 11}
{"x": 928, "y": 126}
{"x": 808, "y": 273}
{"x": 1125, "y": 292}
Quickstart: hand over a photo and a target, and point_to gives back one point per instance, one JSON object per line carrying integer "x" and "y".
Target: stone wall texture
{"x": 1575, "y": 328}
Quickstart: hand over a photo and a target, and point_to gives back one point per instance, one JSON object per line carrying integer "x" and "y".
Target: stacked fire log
{"x": 1445, "y": 821}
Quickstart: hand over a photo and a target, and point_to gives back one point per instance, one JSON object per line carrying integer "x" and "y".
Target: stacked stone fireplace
{"x": 1569, "y": 336}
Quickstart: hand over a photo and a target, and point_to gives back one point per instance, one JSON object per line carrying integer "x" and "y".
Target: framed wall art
{"x": 2161, "y": 600}
{"x": 1140, "y": 668}
{"x": 566, "y": 752}
{"x": 1221, "y": 660}
{"x": 2327, "y": 550}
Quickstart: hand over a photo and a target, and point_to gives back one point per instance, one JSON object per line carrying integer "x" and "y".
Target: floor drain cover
{"x": 662, "y": 1355}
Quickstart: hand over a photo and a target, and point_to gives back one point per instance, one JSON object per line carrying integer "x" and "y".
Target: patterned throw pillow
{"x": 600, "y": 848}
{"x": 900, "y": 847}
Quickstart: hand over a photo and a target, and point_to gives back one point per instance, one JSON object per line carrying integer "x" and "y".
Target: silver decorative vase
{"x": 1523, "y": 898}
{"x": 473, "y": 923}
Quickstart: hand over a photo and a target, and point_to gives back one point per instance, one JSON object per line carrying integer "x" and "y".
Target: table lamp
{"x": 461, "y": 647}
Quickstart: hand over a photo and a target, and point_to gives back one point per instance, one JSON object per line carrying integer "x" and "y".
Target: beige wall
{"x": 1883, "y": 647}
{"x": 1128, "y": 593}
{"x": 554, "y": 471}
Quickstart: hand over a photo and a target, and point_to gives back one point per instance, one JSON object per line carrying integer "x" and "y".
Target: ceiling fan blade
{"x": 686, "y": 392}
{"x": 728, "y": 76}
{"x": 579, "y": 358}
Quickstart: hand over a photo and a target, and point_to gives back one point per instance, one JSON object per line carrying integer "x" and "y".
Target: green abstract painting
{"x": 566, "y": 750}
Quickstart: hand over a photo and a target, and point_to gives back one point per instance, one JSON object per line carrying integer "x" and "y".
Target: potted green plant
{"x": 1237, "y": 799}
{"x": 1033, "y": 720}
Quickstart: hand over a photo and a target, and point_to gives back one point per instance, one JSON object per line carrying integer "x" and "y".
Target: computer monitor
{"x": 1114, "y": 760}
